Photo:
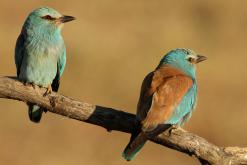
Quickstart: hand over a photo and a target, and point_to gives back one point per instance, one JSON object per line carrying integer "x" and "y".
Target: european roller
{"x": 168, "y": 97}
{"x": 40, "y": 53}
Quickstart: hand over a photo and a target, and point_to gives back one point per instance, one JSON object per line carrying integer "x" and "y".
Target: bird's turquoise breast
{"x": 39, "y": 64}
{"x": 185, "y": 107}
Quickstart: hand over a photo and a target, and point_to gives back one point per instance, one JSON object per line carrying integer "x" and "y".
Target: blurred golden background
{"x": 111, "y": 46}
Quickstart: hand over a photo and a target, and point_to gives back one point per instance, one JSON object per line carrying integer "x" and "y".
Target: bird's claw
{"x": 48, "y": 91}
{"x": 173, "y": 127}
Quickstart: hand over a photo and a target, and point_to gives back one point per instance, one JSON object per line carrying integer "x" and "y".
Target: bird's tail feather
{"x": 35, "y": 113}
{"x": 134, "y": 146}
{"x": 138, "y": 140}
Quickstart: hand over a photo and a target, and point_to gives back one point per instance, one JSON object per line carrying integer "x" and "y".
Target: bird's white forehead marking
{"x": 188, "y": 51}
{"x": 191, "y": 56}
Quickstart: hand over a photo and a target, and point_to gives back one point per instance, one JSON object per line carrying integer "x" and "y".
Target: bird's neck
{"x": 39, "y": 35}
{"x": 191, "y": 72}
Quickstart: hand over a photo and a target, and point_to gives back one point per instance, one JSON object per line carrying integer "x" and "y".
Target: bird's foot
{"x": 49, "y": 90}
{"x": 173, "y": 127}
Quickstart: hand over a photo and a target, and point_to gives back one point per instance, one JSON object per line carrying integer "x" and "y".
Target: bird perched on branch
{"x": 40, "y": 53}
{"x": 168, "y": 97}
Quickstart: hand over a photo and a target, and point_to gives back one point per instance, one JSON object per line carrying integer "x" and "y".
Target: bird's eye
{"x": 190, "y": 59}
{"x": 48, "y": 17}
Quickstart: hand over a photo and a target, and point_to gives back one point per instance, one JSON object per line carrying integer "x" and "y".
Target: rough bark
{"x": 112, "y": 119}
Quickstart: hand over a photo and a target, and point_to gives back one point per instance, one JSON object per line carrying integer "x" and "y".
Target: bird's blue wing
{"x": 60, "y": 68}
{"x": 62, "y": 62}
{"x": 19, "y": 52}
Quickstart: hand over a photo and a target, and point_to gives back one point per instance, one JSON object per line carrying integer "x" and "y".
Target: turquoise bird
{"x": 168, "y": 97}
{"x": 40, "y": 53}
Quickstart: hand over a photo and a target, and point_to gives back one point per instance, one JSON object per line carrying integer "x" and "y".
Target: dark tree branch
{"x": 112, "y": 119}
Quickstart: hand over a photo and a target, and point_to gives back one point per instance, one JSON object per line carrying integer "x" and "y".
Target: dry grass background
{"x": 111, "y": 46}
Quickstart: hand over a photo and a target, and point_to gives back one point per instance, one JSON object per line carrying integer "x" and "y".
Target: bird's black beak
{"x": 200, "y": 58}
{"x": 66, "y": 18}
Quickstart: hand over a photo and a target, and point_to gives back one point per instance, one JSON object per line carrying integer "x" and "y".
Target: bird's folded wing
{"x": 60, "y": 68}
{"x": 166, "y": 90}
{"x": 19, "y": 52}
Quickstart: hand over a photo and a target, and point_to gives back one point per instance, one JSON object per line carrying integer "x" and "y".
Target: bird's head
{"x": 46, "y": 19}
{"x": 184, "y": 59}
